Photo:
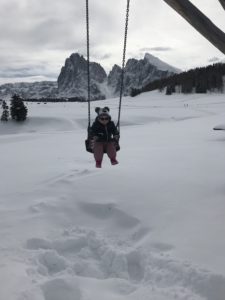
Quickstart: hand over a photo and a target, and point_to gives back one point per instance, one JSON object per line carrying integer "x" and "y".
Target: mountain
{"x": 114, "y": 78}
{"x": 42, "y": 89}
{"x": 139, "y": 73}
{"x": 72, "y": 80}
{"x": 160, "y": 65}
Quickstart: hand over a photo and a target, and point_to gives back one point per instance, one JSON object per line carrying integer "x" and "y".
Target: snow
{"x": 106, "y": 89}
{"x": 151, "y": 227}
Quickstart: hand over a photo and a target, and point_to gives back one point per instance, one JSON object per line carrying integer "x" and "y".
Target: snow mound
{"x": 109, "y": 211}
{"x": 51, "y": 262}
{"x": 58, "y": 289}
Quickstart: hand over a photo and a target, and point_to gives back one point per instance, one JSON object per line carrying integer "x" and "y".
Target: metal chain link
{"x": 123, "y": 64}
{"x": 88, "y": 66}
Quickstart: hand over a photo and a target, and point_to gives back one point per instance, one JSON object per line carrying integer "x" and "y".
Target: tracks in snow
{"x": 79, "y": 262}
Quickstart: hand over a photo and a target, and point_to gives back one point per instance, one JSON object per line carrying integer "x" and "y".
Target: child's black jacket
{"x": 104, "y": 133}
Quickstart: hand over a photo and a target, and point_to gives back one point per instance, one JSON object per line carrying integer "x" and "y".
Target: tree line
{"x": 54, "y": 100}
{"x": 198, "y": 80}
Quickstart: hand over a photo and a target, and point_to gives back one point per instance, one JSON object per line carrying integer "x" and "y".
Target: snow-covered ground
{"x": 150, "y": 228}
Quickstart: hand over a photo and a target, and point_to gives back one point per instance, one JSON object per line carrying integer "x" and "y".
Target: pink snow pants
{"x": 99, "y": 148}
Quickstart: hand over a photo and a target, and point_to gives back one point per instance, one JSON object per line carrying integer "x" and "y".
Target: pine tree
{"x": 5, "y": 112}
{"x": 134, "y": 92}
{"x": 17, "y": 109}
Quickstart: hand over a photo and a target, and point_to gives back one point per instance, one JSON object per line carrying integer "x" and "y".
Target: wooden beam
{"x": 222, "y": 2}
{"x": 200, "y": 22}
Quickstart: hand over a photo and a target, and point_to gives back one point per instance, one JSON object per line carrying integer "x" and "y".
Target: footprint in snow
{"x": 69, "y": 177}
{"x": 58, "y": 289}
{"x": 103, "y": 211}
{"x": 86, "y": 254}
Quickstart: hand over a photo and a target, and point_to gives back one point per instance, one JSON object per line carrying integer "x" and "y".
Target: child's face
{"x": 103, "y": 119}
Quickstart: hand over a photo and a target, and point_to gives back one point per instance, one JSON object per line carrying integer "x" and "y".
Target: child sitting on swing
{"x": 104, "y": 134}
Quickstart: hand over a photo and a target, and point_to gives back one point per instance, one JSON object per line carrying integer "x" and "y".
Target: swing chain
{"x": 123, "y": 63}
{"x": 122, "y": 69}
{"x": 88, "y": 66}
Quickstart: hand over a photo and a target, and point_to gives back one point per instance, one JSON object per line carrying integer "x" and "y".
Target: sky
{"x": 37, "y": 36}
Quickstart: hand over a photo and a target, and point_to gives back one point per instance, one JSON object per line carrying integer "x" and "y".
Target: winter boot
{"x": 114, "y": 161}
{"x": 98, "y": 164}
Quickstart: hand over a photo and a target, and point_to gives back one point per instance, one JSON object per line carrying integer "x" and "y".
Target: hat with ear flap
{"x": 103, "y": 111}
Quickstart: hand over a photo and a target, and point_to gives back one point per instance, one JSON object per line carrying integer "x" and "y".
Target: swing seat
{"x": 89, "y": 145}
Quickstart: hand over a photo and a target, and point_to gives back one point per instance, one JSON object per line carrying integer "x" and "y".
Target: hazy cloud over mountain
{"x": 214, "y": 59}
{"x": 151, "y": 49}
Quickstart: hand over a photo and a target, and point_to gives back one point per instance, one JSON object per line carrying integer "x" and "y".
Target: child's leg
{"x": 98, "y": 150}
{"x": 111, "y": 151}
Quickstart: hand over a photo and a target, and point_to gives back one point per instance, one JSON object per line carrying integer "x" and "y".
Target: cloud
{"x": 29, "y": 71}
{"x": 149, "y": 49}
{"x": 97, "y": 55}
{"x": 44, "y": 33}
{"x": 4, "y": 80}
{"x": 214, "y": 59}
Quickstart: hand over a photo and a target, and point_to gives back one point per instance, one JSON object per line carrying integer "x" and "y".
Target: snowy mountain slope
{"x": 139, "y": 73}
{"x": 29, "y": 89}
{"x": 149, "y": 228}
{"x": 159, "y": 64}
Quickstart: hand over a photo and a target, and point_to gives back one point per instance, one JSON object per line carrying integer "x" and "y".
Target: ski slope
{"x": 149, "y": 228}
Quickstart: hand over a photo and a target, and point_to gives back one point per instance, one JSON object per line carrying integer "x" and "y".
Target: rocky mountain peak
{"x": 72, "y": 79}
{"x": 159, "y": 64}
{"x": 139, "y": 73}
